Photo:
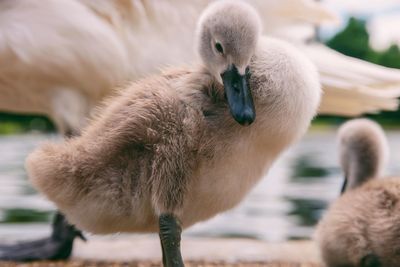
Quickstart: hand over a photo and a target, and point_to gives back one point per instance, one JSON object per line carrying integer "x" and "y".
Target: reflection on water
{"x": 305, "y": 166}
{"x": 284, "y": 205}
{"x": 307, "y": 211}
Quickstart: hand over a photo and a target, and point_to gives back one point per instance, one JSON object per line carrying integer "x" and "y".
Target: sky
{"x": 363, "y": 7}
{"x": 383, "y": 19}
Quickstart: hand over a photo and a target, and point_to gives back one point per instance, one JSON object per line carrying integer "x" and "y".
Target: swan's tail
{"x": 363, "y": 151}
{"x": 49, "y": 171}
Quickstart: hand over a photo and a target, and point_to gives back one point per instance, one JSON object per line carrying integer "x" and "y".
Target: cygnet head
{"x": 363, "y": 151}
{"x": 227, "y": 37}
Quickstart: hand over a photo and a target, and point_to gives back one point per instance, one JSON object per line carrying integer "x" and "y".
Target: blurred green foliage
{"x": 353, "y": 41}
{"x": 17, "y": 123}
{"x": 17, "y": 215}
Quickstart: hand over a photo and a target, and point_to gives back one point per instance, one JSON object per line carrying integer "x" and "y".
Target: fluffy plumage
{"x": 363, "y": 151}
{"x": 169, "y": 144}
{"x": 361, "y": 228}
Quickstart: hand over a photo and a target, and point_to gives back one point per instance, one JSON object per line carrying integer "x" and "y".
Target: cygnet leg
{"x": 56, "y": 247}
{"x": 170, "y": 236}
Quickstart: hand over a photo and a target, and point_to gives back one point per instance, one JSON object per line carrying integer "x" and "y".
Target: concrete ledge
{"x": 76, "y": 263}
{"x": 228, "y": 250}
{"x": 145, "y": 251}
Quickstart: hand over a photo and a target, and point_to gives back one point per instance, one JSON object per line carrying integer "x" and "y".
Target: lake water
{"x": 286, "y": 204}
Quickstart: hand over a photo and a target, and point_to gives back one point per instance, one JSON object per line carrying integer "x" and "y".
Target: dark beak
{"x": 239, "y": 96}
{"x": 344, "y": 186}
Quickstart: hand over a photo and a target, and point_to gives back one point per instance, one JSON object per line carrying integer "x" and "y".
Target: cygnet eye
{"x": 219, "y": 48}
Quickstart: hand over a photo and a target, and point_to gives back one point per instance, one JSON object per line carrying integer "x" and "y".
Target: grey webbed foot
{"x": 170, "y": 236}
{"x": 56, "y": 247}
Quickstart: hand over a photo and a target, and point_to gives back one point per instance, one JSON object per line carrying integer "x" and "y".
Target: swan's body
{"x": 108, "y": 180}
{"x": 168, "y": 148}
{"x": 178, "y": 148}
{"x": 353, "y": 86}
{"x": 361, "y": 228}
{"x": 60, "y": 58}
